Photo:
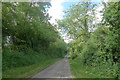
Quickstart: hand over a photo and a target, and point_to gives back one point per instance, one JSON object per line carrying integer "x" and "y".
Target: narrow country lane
{"x": 60, "y": 69}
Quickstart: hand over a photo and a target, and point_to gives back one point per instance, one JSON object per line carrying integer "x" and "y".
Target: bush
{"x": 18, "y": 59}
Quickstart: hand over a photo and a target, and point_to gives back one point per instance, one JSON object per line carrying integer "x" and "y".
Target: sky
{"x": 57, "y": 8}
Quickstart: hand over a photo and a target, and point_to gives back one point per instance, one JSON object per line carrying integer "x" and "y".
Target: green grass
{"x": 81, "y": 71}
{"x": 27, "y": 71}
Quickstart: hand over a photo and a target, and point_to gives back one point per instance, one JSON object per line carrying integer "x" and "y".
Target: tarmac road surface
{"x": 59, "y": 69}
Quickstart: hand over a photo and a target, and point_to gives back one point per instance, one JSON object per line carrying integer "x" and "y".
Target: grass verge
{"x": 81, "y": 71}
{"x": 27, "y": 71}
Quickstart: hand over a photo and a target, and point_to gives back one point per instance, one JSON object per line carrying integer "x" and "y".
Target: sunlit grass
{"x": 81, "y": 71}
{"x": 27, "y": 71}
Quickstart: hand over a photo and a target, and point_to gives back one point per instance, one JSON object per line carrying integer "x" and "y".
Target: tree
{"x": 78, "y": 18}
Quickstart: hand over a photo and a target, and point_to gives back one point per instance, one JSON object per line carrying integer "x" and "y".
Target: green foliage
{"x": 101, "y": 49}
{"x": 18, "y": 59}
{"x": 28, "y": 37}
{"x": 113, "y": 20}
{"x": 97, "y": 49}
{"x": 83, "y": 71}
{"x": 77, "y": 19}
{"x": 27, "y": 25}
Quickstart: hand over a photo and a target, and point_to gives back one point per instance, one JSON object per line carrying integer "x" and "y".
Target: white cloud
{"x": 56, "y": 10}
